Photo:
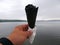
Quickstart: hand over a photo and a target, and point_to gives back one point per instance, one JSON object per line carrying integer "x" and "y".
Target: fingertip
{"x": 25, "y": 25}
{"x": 29, "y": 33}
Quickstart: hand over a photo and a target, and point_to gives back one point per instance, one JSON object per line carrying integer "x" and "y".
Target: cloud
{"x": 15, "y": 9}
{"x": 49, "y": 9}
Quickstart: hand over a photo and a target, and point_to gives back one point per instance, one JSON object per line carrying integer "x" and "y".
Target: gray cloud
{"x": 14, "y": 9}
{"x": 50, "y": 9}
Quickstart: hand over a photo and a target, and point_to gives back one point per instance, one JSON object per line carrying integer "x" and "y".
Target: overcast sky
{"x": 15, "y": 9}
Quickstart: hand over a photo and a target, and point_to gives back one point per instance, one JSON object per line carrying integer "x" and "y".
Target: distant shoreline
{"x": 26, "y": 20}
{"x": 13, "y": 21}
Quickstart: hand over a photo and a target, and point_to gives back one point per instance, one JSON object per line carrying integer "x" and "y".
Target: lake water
{"x": 48, "y": 32}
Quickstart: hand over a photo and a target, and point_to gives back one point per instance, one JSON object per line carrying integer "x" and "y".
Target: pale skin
{"x": 19, "y": 35}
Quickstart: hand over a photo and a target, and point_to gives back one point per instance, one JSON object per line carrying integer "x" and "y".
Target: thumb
{"x": 29, "y": 33}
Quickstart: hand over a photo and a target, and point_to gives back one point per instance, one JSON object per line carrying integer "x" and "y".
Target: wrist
{"x": 5, "y": 41}
{"x": 11, "y": 40}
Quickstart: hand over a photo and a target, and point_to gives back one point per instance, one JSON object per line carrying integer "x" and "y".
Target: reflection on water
{"x": 48, "y": 33}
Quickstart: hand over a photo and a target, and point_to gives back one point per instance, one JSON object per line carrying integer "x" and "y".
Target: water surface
{"x": 48, "y": 32}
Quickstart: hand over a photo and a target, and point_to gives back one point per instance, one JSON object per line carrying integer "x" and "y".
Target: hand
{"x": 19, "y": 35}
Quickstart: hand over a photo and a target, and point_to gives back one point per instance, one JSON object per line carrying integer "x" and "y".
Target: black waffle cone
{"x": 31, "y": 13}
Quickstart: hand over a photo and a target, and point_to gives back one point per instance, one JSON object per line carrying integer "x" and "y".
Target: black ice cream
{"x": 31, "y": 13}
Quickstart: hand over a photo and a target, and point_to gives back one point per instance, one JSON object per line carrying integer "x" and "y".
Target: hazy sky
{"x": 15, "y": 9}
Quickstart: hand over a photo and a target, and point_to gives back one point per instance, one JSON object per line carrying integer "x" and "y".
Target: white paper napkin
{"x": 31, "y": 38}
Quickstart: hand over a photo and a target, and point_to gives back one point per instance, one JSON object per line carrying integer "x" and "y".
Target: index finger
{"x": 23, "y": 27}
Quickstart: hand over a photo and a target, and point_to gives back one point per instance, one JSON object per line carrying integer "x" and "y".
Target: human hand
{"x": 19, "y": 35}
